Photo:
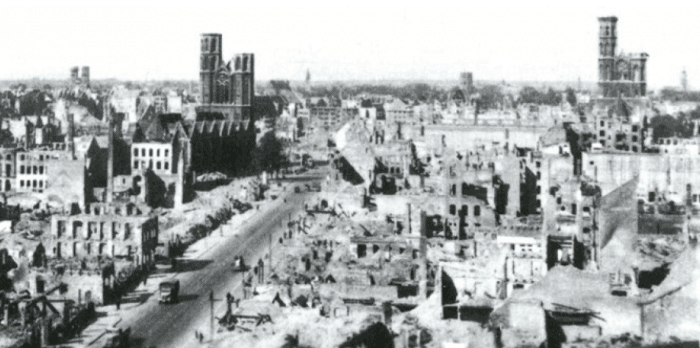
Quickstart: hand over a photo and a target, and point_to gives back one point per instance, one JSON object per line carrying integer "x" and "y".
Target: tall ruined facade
{"x": 227, "y": 88}
{"x": 620, "y": 74}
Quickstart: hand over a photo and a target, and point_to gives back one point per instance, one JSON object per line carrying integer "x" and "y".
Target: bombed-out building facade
{"x": 531, "y": 226}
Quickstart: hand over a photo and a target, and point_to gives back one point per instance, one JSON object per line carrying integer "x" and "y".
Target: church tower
{"x": 243, "y": 85}
{"x": 210, "y": 56}
{"x": 607, "y": 42}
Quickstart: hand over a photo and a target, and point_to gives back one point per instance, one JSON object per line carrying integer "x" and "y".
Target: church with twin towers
{"x": 619, "y": 74}
{"x": 227, "y": 87}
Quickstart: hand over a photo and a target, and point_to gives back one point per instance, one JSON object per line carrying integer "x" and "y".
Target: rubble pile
{"x": 660, "y": 250}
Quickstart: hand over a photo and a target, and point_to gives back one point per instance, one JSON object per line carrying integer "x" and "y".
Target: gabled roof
{"x": 554, "y": 136}
{"x": 223, "y": 68}
{"x": 161, "y": 127}
{"x": 621, "y": 108}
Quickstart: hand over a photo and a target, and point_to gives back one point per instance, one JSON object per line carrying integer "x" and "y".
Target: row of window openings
{"x": 87, "y": 247}
{"x": 99, "y": 229}
{"x": 675, "y": 142}
{"x": 22, "y": 157}
{"x": 634, "y": 148}
{"x": 166, "y": 165}
{"x": 652, "y": 197}
{"x": 620, "y": 137}
{"x": 29, "y": 170}
{"x": 166, "y": 152}
{"x": 453, "y": 188}
{"x": 465, "y": 210}
{"x": 32, "y": 184}
{"x": 635, "y": 128}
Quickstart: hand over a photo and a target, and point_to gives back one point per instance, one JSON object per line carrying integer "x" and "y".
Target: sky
{"x": 357, "y": 40}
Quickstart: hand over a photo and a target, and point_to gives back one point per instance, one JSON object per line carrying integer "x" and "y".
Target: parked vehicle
{"x": 239, "y": 264}
{"x": 117, "y": 339}
{"x": 169, "y": 291}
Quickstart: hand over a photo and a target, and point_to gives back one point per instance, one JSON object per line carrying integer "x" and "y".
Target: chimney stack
{"x": 179, "y": 198}
{"x": 71, "y": 128}
{"x": 423, "y": 255}
{"x": 27, "y": 133}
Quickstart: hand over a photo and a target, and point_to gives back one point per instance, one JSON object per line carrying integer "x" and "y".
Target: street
{"x": 173, "y": 325}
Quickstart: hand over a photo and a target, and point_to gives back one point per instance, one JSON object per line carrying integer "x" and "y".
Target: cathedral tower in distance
{"x": 209, "y": 56}
{"x": 227, "y": 88}
{"x": 621, "y": 75}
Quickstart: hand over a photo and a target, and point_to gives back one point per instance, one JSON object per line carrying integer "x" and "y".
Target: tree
{"x": 491, "y": 96}
{"x": 571, "y": 96}
{"x": 269, "y": 154}
{"x": 552, "y": 97}
{"x": 666, "y": 126}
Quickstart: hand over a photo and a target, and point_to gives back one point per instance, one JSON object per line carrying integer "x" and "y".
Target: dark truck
{"x": 239, "y": 264}
{"x": 117, "y": 339}
{"x": 169, "y": 290}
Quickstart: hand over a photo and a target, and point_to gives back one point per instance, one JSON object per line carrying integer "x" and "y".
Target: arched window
{"x": 477, "y": 210}
{"x": 245, "y": 63}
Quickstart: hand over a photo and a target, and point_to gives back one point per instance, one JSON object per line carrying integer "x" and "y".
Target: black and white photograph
{"x": 362, "y": 174}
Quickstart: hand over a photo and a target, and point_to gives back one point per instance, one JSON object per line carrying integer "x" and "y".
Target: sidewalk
{"x": 93, "y": 335}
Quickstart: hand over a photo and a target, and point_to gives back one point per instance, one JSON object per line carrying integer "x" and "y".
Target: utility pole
{"x": 270, "y": 252}
{"x": 211, "y": 319}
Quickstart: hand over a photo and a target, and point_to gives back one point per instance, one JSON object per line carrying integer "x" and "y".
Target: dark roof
{"x": 621, "y": 108}
{"x": 264, "y": 106}
{"x": 161, "y": 127}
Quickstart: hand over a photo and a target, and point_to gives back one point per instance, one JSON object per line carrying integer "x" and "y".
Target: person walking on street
{"x": 119, "y": 301}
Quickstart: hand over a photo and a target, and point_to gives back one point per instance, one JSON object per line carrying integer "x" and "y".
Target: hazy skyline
{"x": 434, "y": 40}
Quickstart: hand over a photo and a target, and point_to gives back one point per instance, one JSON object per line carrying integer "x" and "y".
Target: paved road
{"x": 168, "y": 325}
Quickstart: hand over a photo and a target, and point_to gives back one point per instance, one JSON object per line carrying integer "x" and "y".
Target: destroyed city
{"x": 361, "y": 175}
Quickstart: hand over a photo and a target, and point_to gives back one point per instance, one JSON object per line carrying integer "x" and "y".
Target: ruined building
{"x": 106, "y": 230}
{"x": 46, "y": 162}
{"x": 227, "y": 88}
{"x": 619, "y": 74}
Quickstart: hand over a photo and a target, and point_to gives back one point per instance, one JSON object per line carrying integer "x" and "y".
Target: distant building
{"x": 106, "y": 230}
{"x": 227, "y": 88}
{"x": 618, "y": 74}
{"x": 82, "y": 80}
{"x": 618, "y": 128}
